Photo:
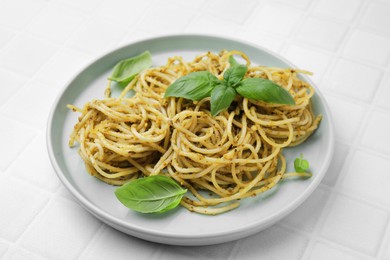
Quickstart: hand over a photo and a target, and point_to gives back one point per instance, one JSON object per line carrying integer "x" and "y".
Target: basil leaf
{"x": 300, "y": 164}
{"x": 194, "y": 86}
{"x": 151, "y": 194}
{"x": 264, "y": 90}
{"x": 233, "y": 61}
{"x": 235, "y": 74}
{"x": 126, "y": 70}
{"x": 221, "y": 98}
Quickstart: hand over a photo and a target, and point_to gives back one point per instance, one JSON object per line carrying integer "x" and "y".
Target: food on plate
{"x": 216, "y": 125}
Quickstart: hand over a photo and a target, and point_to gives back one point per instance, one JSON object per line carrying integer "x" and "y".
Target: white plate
{"x": 179, "y": 226}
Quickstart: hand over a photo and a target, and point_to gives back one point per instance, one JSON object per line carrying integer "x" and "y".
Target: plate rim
{"x": 254, "y": 226}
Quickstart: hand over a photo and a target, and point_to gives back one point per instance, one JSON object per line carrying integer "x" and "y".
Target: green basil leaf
{"x": 221, "y": 98}
{"x": 233, "y": 61}
{"x": 173, "y": 205}
{"x": 194, "y": 86}
{"x": 300, "y": 164}
{"x": 125, "y": 70}
{"x": 151, "y": 194}
{"x": 235, "y": 74}
{"x": 264, "y": 90}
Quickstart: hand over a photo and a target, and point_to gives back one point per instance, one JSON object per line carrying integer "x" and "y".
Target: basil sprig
{"x": 202, "y": 84}
{"x": 300, "y": 164}
{"x": 125, "y": 70}
{"x": 151, "y": 194}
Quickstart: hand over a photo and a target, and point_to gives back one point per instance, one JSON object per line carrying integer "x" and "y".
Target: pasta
{"x": 221, "y": 159}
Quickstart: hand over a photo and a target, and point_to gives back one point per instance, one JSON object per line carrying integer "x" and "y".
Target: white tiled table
{"x": 346, "y": 43}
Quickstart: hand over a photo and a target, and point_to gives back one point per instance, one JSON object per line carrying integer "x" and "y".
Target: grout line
{"x": 235, "y": 247}
{"x": 385, "y": 83}
{"x": 295, "y": 32}
{"x": 34, "y": 219}
{"x": 26, "y": 84}
{"x": 384, "y": 244}
{"x": 32, "y": 185}
{"x": 98, "y": 233}
{"x": 14, "y": 247}
{"x": 37, "y": 132}
{"x": 156, "y": 254}
{"x": 343, "y": 248}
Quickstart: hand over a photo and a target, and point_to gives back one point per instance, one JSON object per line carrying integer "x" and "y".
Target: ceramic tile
{"x": 378, "y": 127}
{"x": 58, "y": 233}
{"x": 171, "y": 17}
{"x": 191, "y": 4}
{"x": 383, "y": 94}
{"x": 16, "y": 136}
{"x": 210, "y": 25}
{"x": 367, "y": 46}
{"x": 5, "y": 36}
{"x": 306, "y": 215}
{"x": 292, "y": 243}
{"x": 262, "y": 39}
{"x": 25, "y": 54}
{"x": 342, "y": 109}
{"x": 19, "y": 207}
{"x": 219, "y": 251}
{"x": 324, "y": 251}
{"x": 276, "y": 19}
{"x": 135, "y": 36}
{"x": 112, "y": 244}
{"x": 98, "y": 37}
{"x": 376, "y": 16}
{"x": 301, "y": 4}
{"x": 343, "y": 10}
{"x": 3, "y": 248}
{"x": 323, "y": 33}
{"x": 230, "y": 10}
{"x": 85, "y": 5}
{"x": 309, "y": 59}
{"x": 12, "y": 82}
{"x": 386, "y": 243}
{"x": 346, "y": 224}
{"x": 348, "y": 76}
{"x": 19, "y": 254}
{"x": 67, "y": 62}
{"x": 338, "y": 160}
{"x": 35, "y": 157}
{"x": 124, "y": 13}
{"x": 56, "y": 23}
{"x": 13, "y": 16}
{"x": 30, "y": 96}
{"x": 361, "y": 174}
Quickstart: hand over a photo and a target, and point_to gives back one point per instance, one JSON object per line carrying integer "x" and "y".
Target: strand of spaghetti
{"x": 242, "y": 191}
{"x": 129, "y": 86}
{"x": 209, "y": 211}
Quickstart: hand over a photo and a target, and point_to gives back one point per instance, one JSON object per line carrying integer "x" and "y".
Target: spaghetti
{"x": 221, "y": 159}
